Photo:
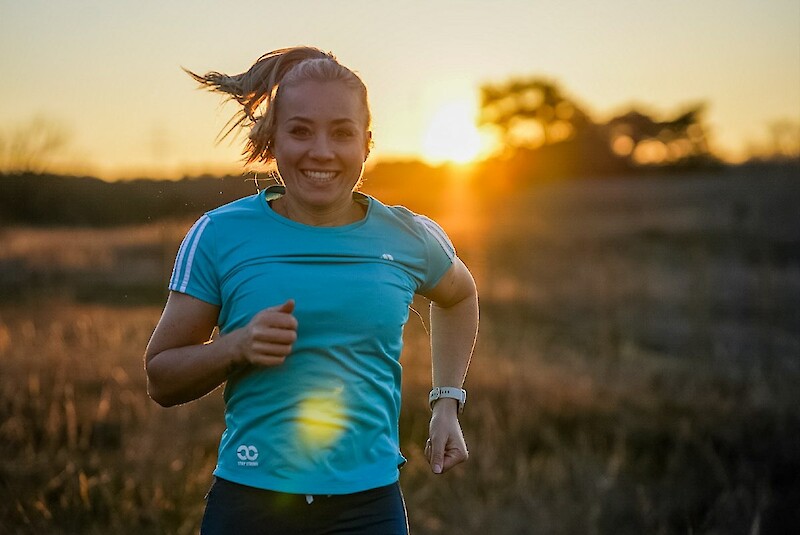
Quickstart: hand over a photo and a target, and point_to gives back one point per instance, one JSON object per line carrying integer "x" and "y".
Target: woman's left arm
{"x": 454, "y": 327}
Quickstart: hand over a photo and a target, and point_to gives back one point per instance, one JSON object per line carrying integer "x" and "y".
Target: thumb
{"x": 287, "y": 307}
{"x": 437, "y": 454}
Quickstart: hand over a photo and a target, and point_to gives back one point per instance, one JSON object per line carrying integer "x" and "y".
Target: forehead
{"x": 320, "y": 102}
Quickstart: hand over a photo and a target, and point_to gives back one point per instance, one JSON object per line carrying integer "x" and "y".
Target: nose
{"x": 321, "y": 148}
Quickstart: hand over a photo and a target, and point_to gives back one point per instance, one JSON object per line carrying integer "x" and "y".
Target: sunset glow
{"x": 452, "y": 135}
{"x": 116, "y": 91}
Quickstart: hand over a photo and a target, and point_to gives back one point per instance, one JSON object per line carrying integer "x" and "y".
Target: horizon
{"x": 108, "y": 78}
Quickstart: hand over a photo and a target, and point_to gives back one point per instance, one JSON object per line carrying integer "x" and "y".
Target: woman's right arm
{"x": 183, "y": 364}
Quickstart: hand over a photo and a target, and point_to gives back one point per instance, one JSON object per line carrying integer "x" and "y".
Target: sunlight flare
{"x": 451, "y": 135}
{"x": 321, "y": 419}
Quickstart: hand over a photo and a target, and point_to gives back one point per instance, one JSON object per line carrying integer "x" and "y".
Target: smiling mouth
{"x": 320, "y": 177}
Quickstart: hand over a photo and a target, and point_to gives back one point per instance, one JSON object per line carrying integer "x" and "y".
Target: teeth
{"x": 320, "y": 176}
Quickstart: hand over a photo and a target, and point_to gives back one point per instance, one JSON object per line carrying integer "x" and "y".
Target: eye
{"x": 343, "y": 133}
{"x": 300, "y": 131}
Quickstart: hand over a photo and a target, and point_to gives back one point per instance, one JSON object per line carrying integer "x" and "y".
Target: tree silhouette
{"x": 530, "y": 112}
{"x": 785, "y": 139}
{"x": 546, "y": 133}
{"x": 644, "y": 140}
{"x": 30, "y": 147}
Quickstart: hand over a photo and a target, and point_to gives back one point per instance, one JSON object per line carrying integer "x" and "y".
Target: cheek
{"x": 284, "y": 149}
{"x": 284, "y": 161}
{"x": 361, "y": 149}
{"x": 357, "y": 156}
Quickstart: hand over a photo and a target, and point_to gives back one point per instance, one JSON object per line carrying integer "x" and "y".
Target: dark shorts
{"x": 234, "y": 508}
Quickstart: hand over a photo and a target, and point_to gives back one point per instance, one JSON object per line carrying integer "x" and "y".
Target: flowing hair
{"x": 257, "y": 91}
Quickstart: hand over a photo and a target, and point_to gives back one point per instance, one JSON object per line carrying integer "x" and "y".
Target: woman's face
{"x": 320, "y": 144}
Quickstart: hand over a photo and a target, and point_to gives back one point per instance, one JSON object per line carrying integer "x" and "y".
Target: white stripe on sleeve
{"x": 173, "y": 280}
{"x": 183, "y": 265}
{"x": 438, "y": 233}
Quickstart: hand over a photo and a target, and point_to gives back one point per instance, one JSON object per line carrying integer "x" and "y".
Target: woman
{"x": 310, "y": 284}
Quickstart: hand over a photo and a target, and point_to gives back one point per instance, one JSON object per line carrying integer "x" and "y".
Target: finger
{"x": 270, "y": 319}
{"x": 267, "y": 361}
{"x": 270, "y": 349}
{"x": 453, "y": 457}
{"x": 275, "y": 335}
{"x": 284, "y": 321}
{"x": 437, "y": 455}
{"x": 287, "y": 307}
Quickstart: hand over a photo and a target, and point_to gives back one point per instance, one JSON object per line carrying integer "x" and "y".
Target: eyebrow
{"x": 300, "y": 118}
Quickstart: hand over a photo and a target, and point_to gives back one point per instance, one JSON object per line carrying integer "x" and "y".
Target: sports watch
{"x": 439, "y": 392}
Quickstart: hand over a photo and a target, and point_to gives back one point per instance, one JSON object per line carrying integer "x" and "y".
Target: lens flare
{"x": 321, "y": 419}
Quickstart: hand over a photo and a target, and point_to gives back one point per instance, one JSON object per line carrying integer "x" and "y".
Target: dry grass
{"x": 636, "y": 372}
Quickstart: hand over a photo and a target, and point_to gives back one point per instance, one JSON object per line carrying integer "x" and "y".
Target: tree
{"x": 30, "y": 147}
{"x": 646, "y": 141}
{"x": 785, "y": 139}
{"x": 530, "y": 113}
{"x": 546, "y": 134}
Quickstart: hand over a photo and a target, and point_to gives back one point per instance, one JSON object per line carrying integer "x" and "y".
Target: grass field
{"x": 636, "y": 371}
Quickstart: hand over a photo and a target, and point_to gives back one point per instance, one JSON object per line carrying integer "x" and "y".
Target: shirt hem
{"x": 299, "y": 487}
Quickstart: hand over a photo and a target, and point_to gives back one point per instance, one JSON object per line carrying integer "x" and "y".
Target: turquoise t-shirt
{"x": 325, "y": 421}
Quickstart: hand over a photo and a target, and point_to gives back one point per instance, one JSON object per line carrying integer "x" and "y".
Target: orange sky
{"x": 108, "y": 73}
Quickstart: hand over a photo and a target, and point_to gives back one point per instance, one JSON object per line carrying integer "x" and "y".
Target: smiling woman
{"x": 309, "y": 284}
{"x": 452, "y": 135}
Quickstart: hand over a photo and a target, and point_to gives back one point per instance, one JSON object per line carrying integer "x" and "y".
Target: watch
{"x": 439, "y": 392}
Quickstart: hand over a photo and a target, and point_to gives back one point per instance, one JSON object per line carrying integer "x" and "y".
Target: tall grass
{"x": 636, "y": 371}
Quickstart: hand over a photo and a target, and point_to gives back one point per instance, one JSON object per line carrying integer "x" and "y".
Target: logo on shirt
{"x": 387, "y": 256}
{"x": 248, "y": 455}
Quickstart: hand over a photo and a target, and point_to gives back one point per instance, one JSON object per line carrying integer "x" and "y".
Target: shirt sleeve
{"x": 439, "y": 249}
{"x": 194, "y": 272}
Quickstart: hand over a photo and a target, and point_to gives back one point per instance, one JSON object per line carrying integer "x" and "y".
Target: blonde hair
{"x": 258, "y": 91}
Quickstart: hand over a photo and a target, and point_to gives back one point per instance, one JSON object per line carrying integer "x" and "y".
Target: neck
{"x": 335, "y": 216}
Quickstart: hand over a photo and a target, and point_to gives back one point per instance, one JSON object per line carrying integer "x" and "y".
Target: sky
{"x": 108, "y": 73}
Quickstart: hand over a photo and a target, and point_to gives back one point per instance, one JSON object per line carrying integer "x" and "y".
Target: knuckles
{"x": 275, "y": 319}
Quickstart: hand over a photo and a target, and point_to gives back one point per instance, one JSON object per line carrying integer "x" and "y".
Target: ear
{"x": 369, "y": 144}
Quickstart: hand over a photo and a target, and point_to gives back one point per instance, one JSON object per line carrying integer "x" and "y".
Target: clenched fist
{"x": 268, "y": 338}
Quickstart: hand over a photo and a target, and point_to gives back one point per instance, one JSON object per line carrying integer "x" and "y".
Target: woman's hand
{"x": 268, "y": 338}
{"x": 183, "y": 364}
{"x": 445, "y": 447}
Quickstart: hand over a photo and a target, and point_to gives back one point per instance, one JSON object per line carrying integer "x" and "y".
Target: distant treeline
{"x": 54, "y": 200}
{"x": 545, "y": 133}
{"x": 77, "y": 201}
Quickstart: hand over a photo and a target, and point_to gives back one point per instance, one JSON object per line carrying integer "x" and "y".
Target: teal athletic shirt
{"x": 326, "y": 420}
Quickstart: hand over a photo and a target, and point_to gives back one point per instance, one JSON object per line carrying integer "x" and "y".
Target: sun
{"x": 451, "y": 135}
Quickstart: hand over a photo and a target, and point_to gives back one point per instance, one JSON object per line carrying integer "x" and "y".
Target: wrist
{"x": 445, "y": 406}
{"x": 231, "y": 348}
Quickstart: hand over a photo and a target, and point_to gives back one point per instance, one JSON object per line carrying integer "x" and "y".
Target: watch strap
{"x": 439, "y": 392}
